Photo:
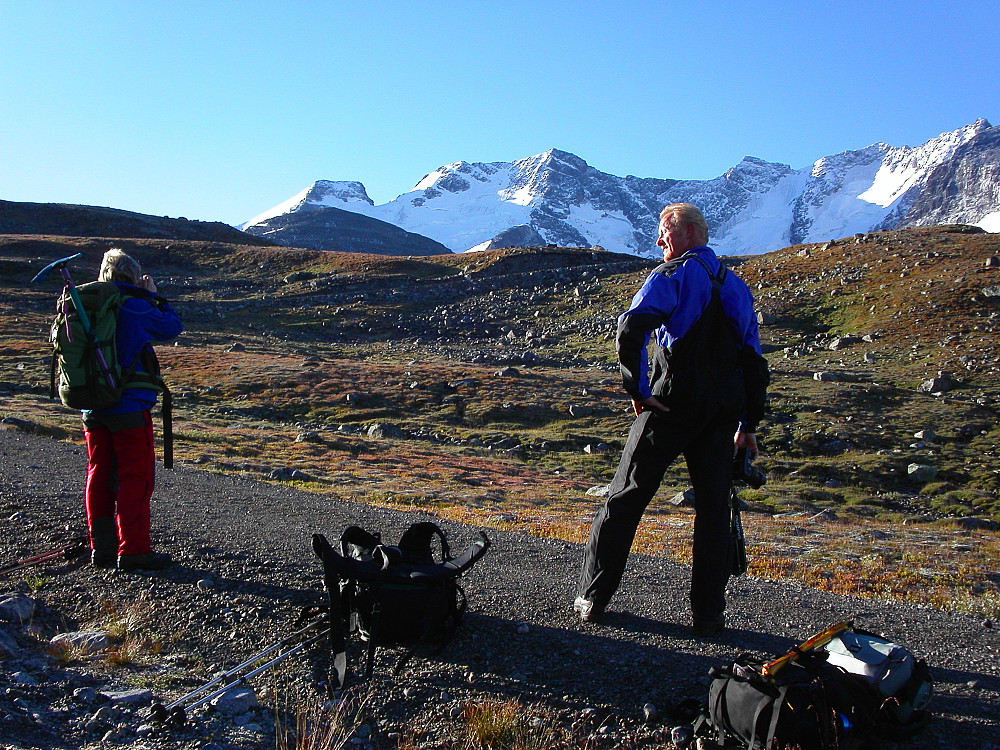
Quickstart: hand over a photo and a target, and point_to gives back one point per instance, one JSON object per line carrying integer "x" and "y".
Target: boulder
{"x": 921, "y": 473}
{"x": 16, "y": 608}
{"x": 88, "y": 641}
{"x": 386, "y": 430}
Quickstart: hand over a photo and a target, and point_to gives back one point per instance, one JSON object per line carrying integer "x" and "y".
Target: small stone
{"x": 85, "y": 694}
{"x": 649, "y": 713}
{"x": 681, "y": 736}
{"x": 16, "y": 608}
{"x": 88, "y": 641}
{"x": 523, "y": 628}
{"x": 236, "y": 701}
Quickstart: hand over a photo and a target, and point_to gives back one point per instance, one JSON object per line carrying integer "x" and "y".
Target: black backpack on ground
{"x": 393, "y": 595}
{"x": 808, "y": 701}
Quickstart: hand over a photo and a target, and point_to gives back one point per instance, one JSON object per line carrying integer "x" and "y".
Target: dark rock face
{"x": 522, "y": 235}
{"x": 328, "y": 228}
{"x": 963, "y": 189}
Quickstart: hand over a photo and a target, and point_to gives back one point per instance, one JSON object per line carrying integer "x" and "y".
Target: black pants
{"x": 654, "y": 442}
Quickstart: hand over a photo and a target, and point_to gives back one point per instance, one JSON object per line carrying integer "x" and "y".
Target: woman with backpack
{"x": 120, "y": 437}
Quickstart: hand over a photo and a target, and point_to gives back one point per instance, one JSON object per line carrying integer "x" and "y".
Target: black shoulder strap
{"x": 670, "y": 266}
{"x": 415, "y": 544}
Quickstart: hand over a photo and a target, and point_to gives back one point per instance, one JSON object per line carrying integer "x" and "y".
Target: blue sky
{"x": 220, "y": 110}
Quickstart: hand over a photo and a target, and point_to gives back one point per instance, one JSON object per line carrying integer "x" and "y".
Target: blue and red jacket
{"x": 142, "y": 319}
{"x": 667, "y": 305}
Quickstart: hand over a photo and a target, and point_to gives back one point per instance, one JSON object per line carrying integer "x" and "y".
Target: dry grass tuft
{"x": 328, "y": 725}
{"x": 506, "y": 724}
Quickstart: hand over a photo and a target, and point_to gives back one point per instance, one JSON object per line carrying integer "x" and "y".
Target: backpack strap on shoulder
{"x": 717, "y": 279}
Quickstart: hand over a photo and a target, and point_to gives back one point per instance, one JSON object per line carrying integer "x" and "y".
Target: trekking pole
{"x": 175, "y": 712}
{"x": 820, "y": 639}
{"x": 68, "y": 553}
{"x": 62, "y": 264}
{"x": 740, "y": 562}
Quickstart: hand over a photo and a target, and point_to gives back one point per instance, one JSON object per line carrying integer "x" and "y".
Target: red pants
{"x": 120, "y": 482}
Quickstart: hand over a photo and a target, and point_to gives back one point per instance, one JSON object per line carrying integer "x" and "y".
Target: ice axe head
{"x": 61, "y": 263}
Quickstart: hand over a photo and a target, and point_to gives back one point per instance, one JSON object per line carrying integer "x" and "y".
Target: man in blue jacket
{"x": 708, "y": 384}
{"x": 120, "y": 438}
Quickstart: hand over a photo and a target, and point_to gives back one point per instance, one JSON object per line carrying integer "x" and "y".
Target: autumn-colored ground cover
{"x": 283, "y": 379}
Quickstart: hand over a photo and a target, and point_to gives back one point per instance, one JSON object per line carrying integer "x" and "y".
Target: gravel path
{"x": 245, "y": 568}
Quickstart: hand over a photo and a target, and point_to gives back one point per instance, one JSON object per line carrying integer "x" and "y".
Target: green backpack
{"x": 83, "y": 382}
{"x": 85, "y": 363}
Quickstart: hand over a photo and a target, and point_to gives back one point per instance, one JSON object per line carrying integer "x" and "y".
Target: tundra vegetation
{"x": 484, "y": 388}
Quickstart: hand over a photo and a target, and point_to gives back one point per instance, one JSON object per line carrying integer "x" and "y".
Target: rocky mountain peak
{"x": 330, "y": 192}
{"x": 754, "y": 207}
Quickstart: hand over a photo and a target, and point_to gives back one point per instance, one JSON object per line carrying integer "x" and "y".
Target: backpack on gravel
{"x": 83, "y": 381}
{"x": 840, "y": 689}
{"x": 393, "y": 595}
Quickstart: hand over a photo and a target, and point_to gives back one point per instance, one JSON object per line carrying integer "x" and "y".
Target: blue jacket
{"x": 668, "y": 304}
{"x": 143, "y": 318}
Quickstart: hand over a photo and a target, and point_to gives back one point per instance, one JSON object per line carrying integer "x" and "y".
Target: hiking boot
{"x": 104, "y": 542}
{"x": 708, "y": 627}
{"x": 102, "y": 561}
{"x": 145, "y": 561}
{"x": 588, "y": 612}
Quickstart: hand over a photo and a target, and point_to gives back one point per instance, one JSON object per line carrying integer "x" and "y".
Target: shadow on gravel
{"x": 183, "y": 574}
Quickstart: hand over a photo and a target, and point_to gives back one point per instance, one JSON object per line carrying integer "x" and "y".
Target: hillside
{"x": 496, "y": 370}
{"x": 482, "y": 389}
{"x": 67, "y": 220}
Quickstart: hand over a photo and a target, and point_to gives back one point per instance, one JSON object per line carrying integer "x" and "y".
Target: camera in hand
{"x": 743, "y": 470}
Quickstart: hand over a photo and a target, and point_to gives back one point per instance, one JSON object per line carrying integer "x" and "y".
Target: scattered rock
{"x": 685, "y": 498}
{"x": 943, "y": 383}
{"x": 236, "y": 701}
{"x": 87, "y": 641}
{"x": 136, "y": 697}
{"x": 16, "y": 608}
{"x": 385, "y": 430}
{"x": 921, "y": 473}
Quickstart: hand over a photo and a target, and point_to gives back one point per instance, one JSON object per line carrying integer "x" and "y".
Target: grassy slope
{"x": 418, "y": 342}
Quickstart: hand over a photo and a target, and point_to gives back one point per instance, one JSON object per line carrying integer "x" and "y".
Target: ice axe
{"x": 770, "y": 669}
{"x": 62, "y": 264}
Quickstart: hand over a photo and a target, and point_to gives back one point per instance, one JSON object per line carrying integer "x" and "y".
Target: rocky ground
{"x": 245, "y": 570}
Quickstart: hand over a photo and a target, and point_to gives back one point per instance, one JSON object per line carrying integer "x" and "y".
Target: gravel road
{"x": 245, "y": 568}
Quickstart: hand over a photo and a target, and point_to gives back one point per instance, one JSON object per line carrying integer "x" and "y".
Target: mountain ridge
{"x": 755, "y": 206}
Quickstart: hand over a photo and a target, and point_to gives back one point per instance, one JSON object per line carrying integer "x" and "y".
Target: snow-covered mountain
{"x": 754, "y": 207}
